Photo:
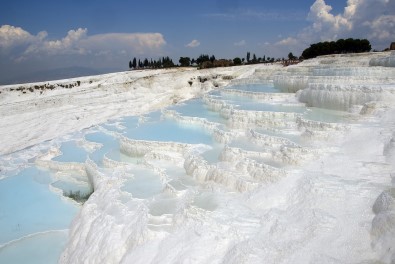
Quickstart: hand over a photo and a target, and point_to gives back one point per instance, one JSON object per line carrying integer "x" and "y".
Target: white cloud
{"x": 193, "y": 44}
{"x": 23, "y": 53}
{"x": 20, "y": 44}
{"x": 263, "y": 15}
{"x": 138, "y": 43}
{"x": 287, "y": 42}
{"x": 11, "y": 36}
{"x": 374, "y": 20}
{"x": 240, "y": 43}
{"x": 71, "y": 44}
{"x": 322, "y": 18}
{"x": 382, "y": 28}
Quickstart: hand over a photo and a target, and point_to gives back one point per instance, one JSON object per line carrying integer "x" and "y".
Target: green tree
{"x": 202, "y": 58}
{"x": 248, "y": 57}
{"x": 254, "y": 60}
{"x": 130, "y": 64}
{"x": 237, "y": 61}
{"x": 184, "y": 61}
{"x": 340, "y": 46}
{"x": 212, "y": 58}
{"x": 167, "y": 62}
{"x": 157, "y": 64}
{"x": 134, "y": 64}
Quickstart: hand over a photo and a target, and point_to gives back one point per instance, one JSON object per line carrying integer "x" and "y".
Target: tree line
{"x": 340, "y": 46}
{"x": 164, "y": 62}
{"x": 203, "y": 59}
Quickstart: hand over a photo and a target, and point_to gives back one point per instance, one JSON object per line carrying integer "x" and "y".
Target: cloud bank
{"x": 22, "y": 52}
{"x": 21, "y": 44}
{"x": 371, "y": 19}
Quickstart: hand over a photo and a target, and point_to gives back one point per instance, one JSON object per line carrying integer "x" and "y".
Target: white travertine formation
{"x": 258, "y": 192}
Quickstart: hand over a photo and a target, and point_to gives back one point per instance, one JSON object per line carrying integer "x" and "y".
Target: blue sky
{"x": 40, "y": 35}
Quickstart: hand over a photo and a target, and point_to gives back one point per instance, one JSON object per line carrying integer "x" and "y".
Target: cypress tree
{"x": 212, "y": 58}
{"x": 134, "y": 64}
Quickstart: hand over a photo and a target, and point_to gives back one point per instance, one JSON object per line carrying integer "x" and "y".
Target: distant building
{"x": 392, "y": 47}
